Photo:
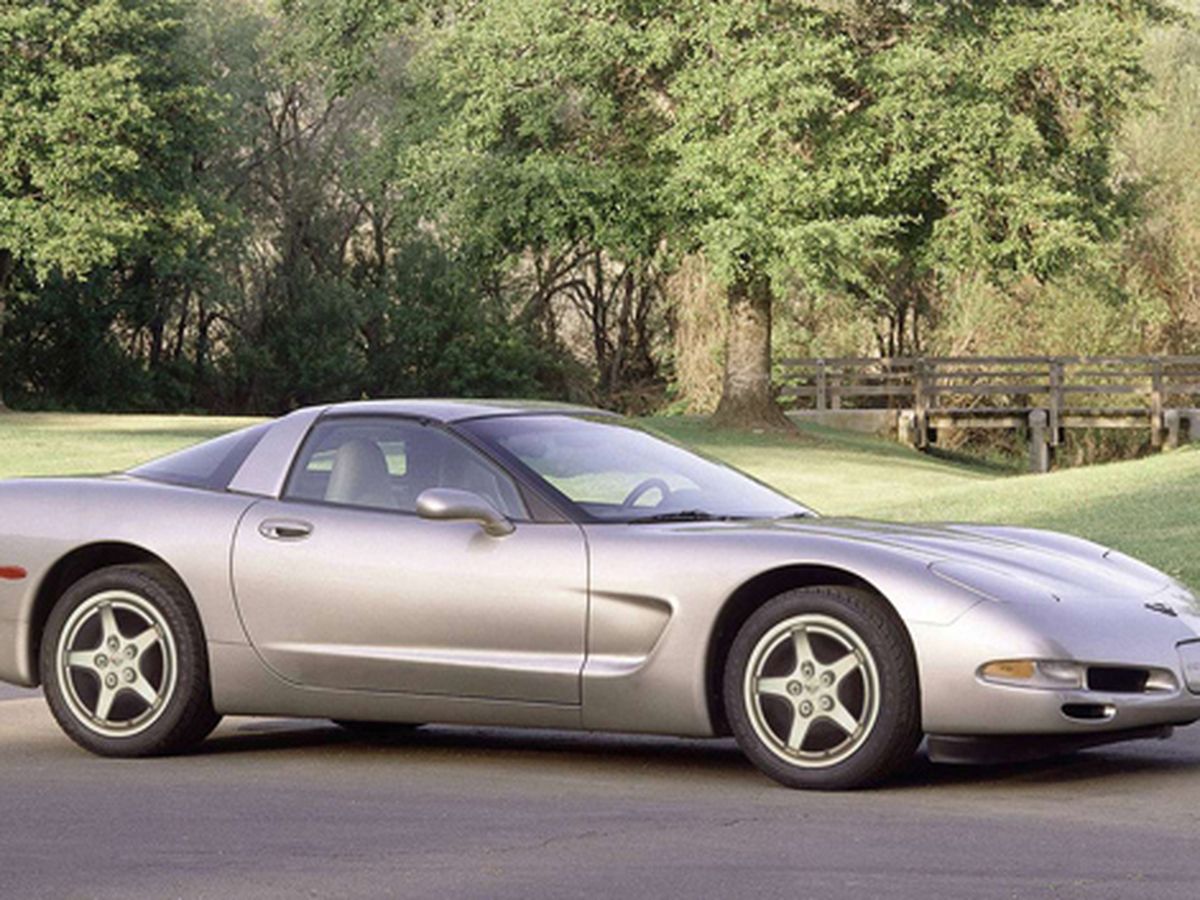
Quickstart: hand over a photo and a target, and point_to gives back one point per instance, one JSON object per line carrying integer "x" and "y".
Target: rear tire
{"x": 124, "y": 664}
{"x": 821, "y": 690}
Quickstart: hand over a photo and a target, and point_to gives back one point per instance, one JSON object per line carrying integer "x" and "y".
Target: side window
{"x": 388, "y": 463}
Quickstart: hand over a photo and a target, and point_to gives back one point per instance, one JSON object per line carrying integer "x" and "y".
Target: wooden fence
{"x": 1044, "y": 395}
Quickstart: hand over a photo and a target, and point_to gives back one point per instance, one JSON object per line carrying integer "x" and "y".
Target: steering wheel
{"x": 642, "y": 487}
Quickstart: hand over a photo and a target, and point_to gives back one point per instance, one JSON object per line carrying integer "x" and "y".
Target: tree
{"x": 1162, "y": 250}
{"x": 634, "y": 124}
{"x": 98, "y": 121}
{"x": 258, "y": 204}
{"x": 987, "y": 130}
{"x": 753, "y": 95}
{"x": 862, "y": 146}
{"x": 532, "y": 144}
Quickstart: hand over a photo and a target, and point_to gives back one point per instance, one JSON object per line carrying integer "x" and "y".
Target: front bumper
{"x": 956, "y": 701}
{"x": 968, "y": 750}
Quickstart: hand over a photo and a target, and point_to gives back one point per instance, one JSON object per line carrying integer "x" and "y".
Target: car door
{"x": 341, "y": 585}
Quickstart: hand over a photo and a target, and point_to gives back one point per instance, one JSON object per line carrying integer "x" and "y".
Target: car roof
{"x": 457, "y": 410}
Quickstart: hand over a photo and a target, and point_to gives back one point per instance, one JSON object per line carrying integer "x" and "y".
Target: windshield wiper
{"x": 681, "y": 515}
{"x": 796, "y": 515}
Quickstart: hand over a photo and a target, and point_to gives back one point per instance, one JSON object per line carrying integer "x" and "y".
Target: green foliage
{"x": 1161, "y": 254}
{"x": 754, "y": 95}
{"x": 99, "y": 120}
{"x": 537, "y": 141}
{"x": 336, "y": 39}
{"x": 421, "y": 331}
{"x": 1013, "y": 135}
{"x": 986, "y": 133}
{"x": 56, "y": 332}
{"x": 250, "y": 204}
{"x": 874, "y": 151}
{"x": 103, "y": 118}
{"x": 434, "y": 336}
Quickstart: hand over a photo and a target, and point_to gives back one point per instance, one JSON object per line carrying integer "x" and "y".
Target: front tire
{"x": 821, "y": 689}
{"x": 124, "y": 664}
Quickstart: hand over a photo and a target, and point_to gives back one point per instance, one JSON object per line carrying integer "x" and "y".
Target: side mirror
{"x": 448, "y": 504}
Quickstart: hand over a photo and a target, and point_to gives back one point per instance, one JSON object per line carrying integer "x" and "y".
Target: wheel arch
{"x": 77, "y": 564}
{"x": 752, "y": 594}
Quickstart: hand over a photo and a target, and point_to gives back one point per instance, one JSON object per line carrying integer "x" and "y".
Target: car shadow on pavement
{"x": 1079, "y": 767}
{"x": 718, "y": 758}
{"x": 483, "y": 747}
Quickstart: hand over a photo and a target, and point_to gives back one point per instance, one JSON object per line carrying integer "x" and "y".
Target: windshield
{"x": 617, "y": 472}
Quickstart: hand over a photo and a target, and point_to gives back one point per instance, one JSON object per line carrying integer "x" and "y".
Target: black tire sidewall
{"x": 896, "y": 733}
{"x": 189, "y": 714}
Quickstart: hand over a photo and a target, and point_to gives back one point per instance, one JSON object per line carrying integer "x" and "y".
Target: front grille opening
{"x": 1117, "y": 679}
{"x": 1089, "y": 711}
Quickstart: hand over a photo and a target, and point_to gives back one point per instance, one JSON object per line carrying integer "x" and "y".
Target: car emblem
{"x": 1162, "y": 608}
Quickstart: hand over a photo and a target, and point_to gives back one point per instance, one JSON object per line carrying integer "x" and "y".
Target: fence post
{"x": 1156, "y": 404}
{"x": 821, "y": 385}
{"x": 920, "y": 403}
{"x": 1171, "y": 420}
{"x": 1039, "y": 446}
{"x": 1057, "y": 378}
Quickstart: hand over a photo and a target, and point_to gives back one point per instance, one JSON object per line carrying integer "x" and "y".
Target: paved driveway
{"x": 275, "y": 807}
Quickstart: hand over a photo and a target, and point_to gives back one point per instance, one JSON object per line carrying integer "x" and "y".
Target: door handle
{"x": 285, "y": 529}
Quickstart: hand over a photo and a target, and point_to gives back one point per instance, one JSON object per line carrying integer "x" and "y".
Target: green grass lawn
{"x": 1149, "y": 508}
{"x": 75, "y": 444}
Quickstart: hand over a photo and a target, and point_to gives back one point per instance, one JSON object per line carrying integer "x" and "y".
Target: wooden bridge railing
{"x": 1045, "y": 394}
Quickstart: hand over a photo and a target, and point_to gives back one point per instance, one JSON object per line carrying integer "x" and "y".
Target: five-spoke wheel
{"x": 124, "y": 664}
{"x": 820, "y": 689}
{"x": 117, "y": 663}
{"x": 812, "y": 690}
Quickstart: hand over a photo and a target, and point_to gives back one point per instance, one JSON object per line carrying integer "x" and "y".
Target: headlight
{"x": 992, "y": 584}
{"x": 1035, "y": 673}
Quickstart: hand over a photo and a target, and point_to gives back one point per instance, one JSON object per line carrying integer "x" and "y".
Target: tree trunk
{"x": 746, "y": 398}
{"x": 3, "y": 408}
{"x": 7, "y": 264}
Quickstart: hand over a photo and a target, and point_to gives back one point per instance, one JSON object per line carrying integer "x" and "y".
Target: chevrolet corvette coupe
{"x": 394, "y": 563}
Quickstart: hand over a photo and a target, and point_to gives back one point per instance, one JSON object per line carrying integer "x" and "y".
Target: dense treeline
{"x": 243, "y": 205}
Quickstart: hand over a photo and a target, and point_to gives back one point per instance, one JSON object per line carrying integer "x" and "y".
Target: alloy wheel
{"x": 811, "y": 691}
{"x": 117, "y": 664}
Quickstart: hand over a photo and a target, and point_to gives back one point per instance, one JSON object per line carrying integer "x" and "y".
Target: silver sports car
{"x": 389, "y": 564}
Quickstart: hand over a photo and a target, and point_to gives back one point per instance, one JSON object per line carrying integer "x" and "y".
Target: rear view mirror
{"x": 449, "y": 504}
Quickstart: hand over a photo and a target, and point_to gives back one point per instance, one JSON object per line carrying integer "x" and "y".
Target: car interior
{"x": 388, "y": 466}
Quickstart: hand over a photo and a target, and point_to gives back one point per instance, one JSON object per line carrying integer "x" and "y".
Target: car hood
{"x": 1057, "y": 565}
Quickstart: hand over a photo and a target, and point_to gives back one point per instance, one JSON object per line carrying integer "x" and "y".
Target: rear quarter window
{"x": 210, "y": 465}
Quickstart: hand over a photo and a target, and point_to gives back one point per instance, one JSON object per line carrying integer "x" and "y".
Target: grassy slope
{"x": 1149, "y": 508}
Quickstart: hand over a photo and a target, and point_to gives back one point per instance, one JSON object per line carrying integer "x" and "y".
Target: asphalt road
{"x": 271, "y": 808}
